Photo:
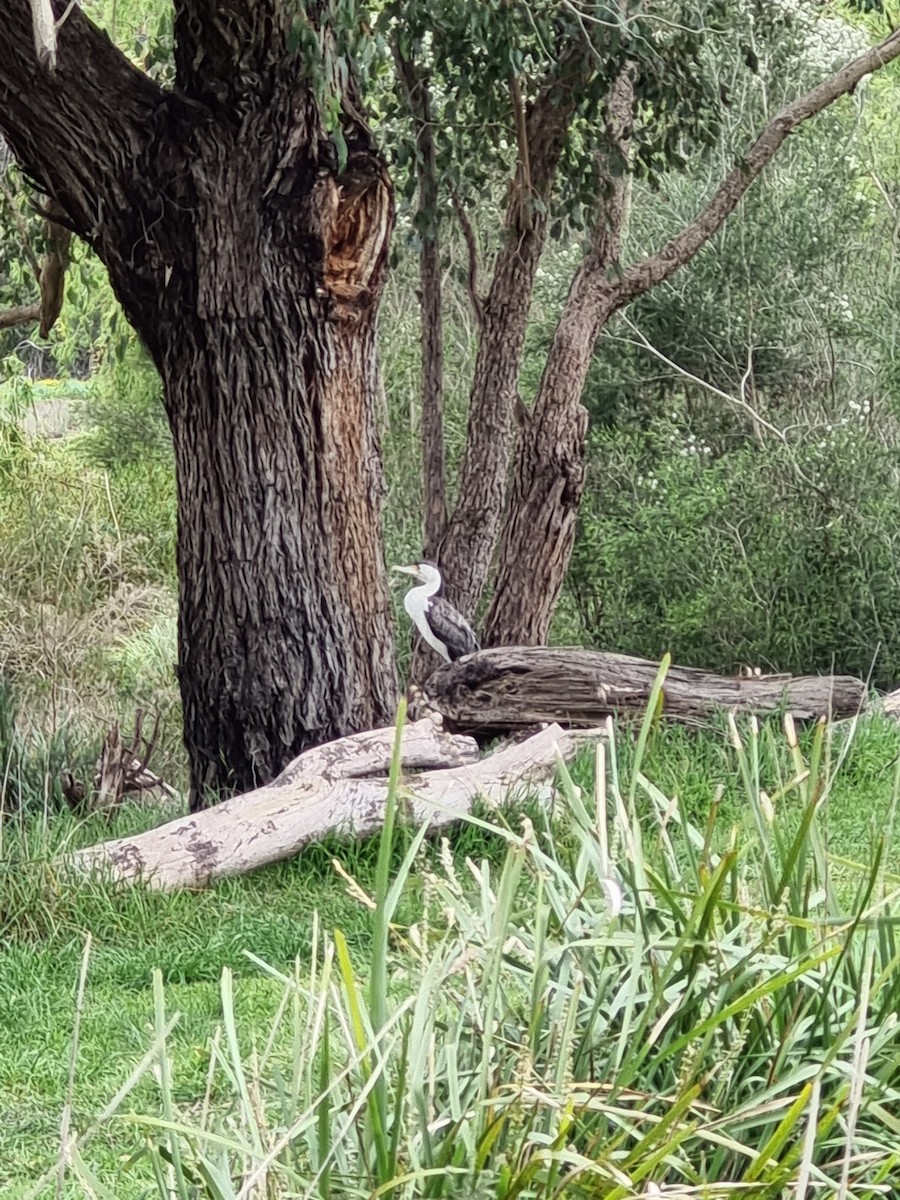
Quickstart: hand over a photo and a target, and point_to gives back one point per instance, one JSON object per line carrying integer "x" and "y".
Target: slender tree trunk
{"x": 433, "y": 476}
{"x": 434, "y": 487}
{"x": 468, "y": 546}
{"x": 250, "y": 256}
{"x": 547, "y": 486}
{"x": 549, "y": 472}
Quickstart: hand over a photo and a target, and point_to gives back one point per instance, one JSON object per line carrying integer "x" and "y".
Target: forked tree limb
{"x": 548, "y": 480}
{"x": 418, "y": 97}
{"x": 502, "y": 690}
{"x": 642, "y": 276}
{"x": 340, "y": 787}
{"x": 76, "y": 129}
{"x": 467, "y": 549}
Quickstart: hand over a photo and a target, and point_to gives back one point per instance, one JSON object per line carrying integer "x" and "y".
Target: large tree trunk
{"x": 250, "y": 259}
{"x": 284, "y": 627}
{"x": 270, "y": 379}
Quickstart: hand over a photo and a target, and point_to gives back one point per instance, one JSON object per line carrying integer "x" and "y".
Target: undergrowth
{"x": 681, "y": 982}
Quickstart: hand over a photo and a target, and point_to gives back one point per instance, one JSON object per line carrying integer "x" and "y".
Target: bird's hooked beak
{"x": 412, "y": 570}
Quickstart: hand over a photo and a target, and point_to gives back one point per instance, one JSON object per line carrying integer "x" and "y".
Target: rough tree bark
{"x": 468, "y": 545}
{"x": 549, "y": 474}
{"x": 250, "y": 260}
{"x": 514, "y": 688}
{"x": 433, "y": 476}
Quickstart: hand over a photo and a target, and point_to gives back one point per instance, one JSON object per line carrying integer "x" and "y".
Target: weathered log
{"x": 510, "y": 688}
{"x": 340, "y": 787}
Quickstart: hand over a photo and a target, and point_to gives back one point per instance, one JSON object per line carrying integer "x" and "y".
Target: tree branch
{"x": 612, "y": 166}
{"x": 339, "y": 788}
{"x": 22, "y": 314}
{"x": 78, "y": 129}
{"x": 643, "y": 276}
{"x": 468, "y": 547}
{"x": 472, "y": 252}
{"x": 549, "y": 477}
{"x": 53, "y": 272}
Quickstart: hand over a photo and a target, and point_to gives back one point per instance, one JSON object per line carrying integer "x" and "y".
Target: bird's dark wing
{"x": 452, "y": 628}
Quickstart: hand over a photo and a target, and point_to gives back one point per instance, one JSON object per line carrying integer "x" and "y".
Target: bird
{"x": 442, "y": 627}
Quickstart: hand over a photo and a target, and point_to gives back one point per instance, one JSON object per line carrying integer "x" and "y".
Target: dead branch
{"x": 123, "y": 769}
{"x": 502, "y": 690}
{"x": 21, "y": 314}
{"x": 50, "y": 274}
{"x": 53, "y": 271}
{"x": 337, "y": 788}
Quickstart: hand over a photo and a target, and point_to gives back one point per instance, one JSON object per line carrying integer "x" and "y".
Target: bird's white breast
{"x": 416, "y": 604}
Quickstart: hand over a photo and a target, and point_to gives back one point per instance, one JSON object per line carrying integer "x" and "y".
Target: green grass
{"x": 192, "y": 937}
{"x": 189, "y": 936}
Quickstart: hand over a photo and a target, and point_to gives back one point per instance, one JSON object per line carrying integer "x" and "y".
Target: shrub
{"x": 123, "y": 415}
{"x": 782, "y": 555}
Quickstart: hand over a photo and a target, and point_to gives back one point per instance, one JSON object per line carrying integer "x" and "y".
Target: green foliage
{"x": 467, "y": 56}
{"x": 782, "y": 555}
{"x": 765, "y": 301}
{"x": 123, "y": 415}
{"x": 623, "y": 1000}
{"x": 87, "y": 611}
{"x": 704, "y": 532}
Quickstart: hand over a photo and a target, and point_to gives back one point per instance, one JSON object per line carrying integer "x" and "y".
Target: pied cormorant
{"x": 443, "y": 628}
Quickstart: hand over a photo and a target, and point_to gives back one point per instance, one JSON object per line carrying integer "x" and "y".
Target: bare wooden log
{"x": 340, "y": 787}
{"x": 519, "y": 687}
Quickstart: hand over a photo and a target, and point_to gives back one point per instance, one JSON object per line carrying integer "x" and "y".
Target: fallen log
{"x": 340, "y": 787}
{"x": 513, "y": 688}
